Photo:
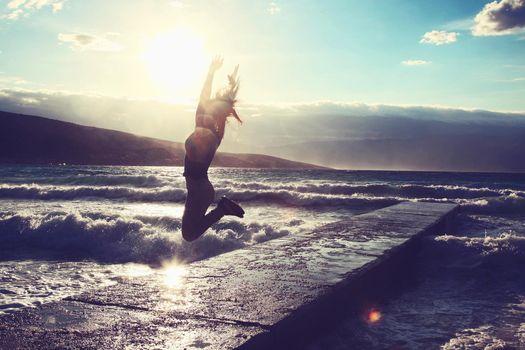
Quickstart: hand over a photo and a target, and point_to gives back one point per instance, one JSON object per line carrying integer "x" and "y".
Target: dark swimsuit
{"x": 194, "y": 169}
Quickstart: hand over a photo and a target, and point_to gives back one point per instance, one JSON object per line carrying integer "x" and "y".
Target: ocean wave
{"x": 413, "y": 191}
{"x": 472, "y": 200}
{"x": 33, "y": 191}
{"x": 505, "y": 243}
{"x": 405, "y": 190}
{"x": 171, "y": 194}
{"x": 512, "y": 203}
{"x": 288, "y": 198}
{"x": 146, "y": 239}
{"x": 500, "y": 256}
{"x": 309, "y": 195}
{"x": 118, "y": 180}
{"x": 148, "y": 181}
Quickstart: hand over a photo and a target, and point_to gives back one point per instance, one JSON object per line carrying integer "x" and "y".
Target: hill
{"x": 26, "y": 139}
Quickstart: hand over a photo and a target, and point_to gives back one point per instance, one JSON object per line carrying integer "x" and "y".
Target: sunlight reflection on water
{"x": 137, "y": 270}
{"x": 174, "y": 274}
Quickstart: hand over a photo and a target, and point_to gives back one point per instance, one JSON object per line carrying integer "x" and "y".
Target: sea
{"x": 68, "y": 229}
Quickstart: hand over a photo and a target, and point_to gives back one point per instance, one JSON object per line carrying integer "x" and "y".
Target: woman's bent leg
{"x": 195, "y": 221}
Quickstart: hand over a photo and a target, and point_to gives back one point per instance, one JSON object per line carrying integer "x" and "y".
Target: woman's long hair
{"x": 229, "y": 96}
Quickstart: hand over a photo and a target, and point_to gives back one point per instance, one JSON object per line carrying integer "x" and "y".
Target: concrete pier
{"x": 271, "y": 295}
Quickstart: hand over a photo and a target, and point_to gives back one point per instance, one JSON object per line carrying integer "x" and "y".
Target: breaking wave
{"x": 493, "y": 257}
{"x": 34, "y": 191}
{"x": 148, "y": 181}
{"x": 146, "y": 239}
{"x": 512, "y": 203}
{"x": 504, "y": 243}
{"x": 171, "y": 194}
{"x": 472, "y": 200}
{"x": 405, "y": 190}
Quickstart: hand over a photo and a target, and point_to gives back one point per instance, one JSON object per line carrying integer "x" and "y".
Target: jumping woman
{"x": 201, "y": 145}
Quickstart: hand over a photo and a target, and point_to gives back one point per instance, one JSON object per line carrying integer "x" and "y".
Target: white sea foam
{"x": 474, "y": 200}
{"x": 475, "y": 338}
{"x": 379, "y": 189}
{"x": 503, "y": 254}
{"x": 504, "y": 243}
{"x": 507, "y": 204}
{"x": 45, "y": 192}
{"x": 101, "y": 180}
{"x": 63, "y": 235}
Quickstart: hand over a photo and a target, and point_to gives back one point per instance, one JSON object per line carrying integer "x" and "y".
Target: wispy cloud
{"x": 14, "y": 4}
{"x": 10, "y": 81}
{"x": 273, "y": 8}
{"x": 88, "y": 42}
{"x": 179, "y": 4}
{"x": 501, "y": 17}
{"x": 415, "y": 62}
{"x": 439, "y": 37}
{"x": 22, "y": 8}
{"x": 464, "y": 24}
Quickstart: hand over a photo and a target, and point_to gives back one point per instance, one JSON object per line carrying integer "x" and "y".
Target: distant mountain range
{"x": 26, "y": 139}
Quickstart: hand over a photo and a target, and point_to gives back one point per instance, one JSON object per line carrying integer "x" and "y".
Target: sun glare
{"x": 176, "y": 60}
{"x": 174, "y": 276}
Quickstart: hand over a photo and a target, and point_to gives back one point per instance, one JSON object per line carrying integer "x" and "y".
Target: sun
{"x": 176, "y": 60}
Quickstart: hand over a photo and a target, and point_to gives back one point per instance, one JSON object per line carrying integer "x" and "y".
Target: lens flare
{"x": 374, "y": 316}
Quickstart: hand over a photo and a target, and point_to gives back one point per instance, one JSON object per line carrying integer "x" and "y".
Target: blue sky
{"x": 371, "y": 52}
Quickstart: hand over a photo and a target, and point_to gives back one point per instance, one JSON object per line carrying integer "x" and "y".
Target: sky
{"x": 368, "y": 84}
{"x": 465, "y": 54}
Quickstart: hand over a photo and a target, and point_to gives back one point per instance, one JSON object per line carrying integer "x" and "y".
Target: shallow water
{"x": 67, "y": 229}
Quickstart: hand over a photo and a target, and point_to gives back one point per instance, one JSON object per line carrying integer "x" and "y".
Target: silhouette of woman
{"x": 201, "y": 145}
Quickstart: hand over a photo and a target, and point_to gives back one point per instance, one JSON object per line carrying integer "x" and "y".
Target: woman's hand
{"x": 216, "y": 64}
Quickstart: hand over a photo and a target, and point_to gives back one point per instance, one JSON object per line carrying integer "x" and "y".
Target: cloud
{"x": 415, "y": 62}
{"x": 179, "y": 4}
{"x": 501, "y": 17}
{"x": 464, "y": 24}
{"x": 436, "y": 37}
{"x": 261, "y": 120}
{"x": 88, "y": 42}
{"x": 14, "y": 15}
{"x": 9, "y": 81}
{"x": 57, "y": 6}
{"x": 273, "y": 8}
{"x": 22, "y": 8}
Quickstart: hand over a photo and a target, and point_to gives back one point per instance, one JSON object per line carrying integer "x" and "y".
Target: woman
{"x": 201, "y": 145}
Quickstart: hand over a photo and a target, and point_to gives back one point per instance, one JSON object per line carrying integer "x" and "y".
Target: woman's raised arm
{"x": 215, "y": 65}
